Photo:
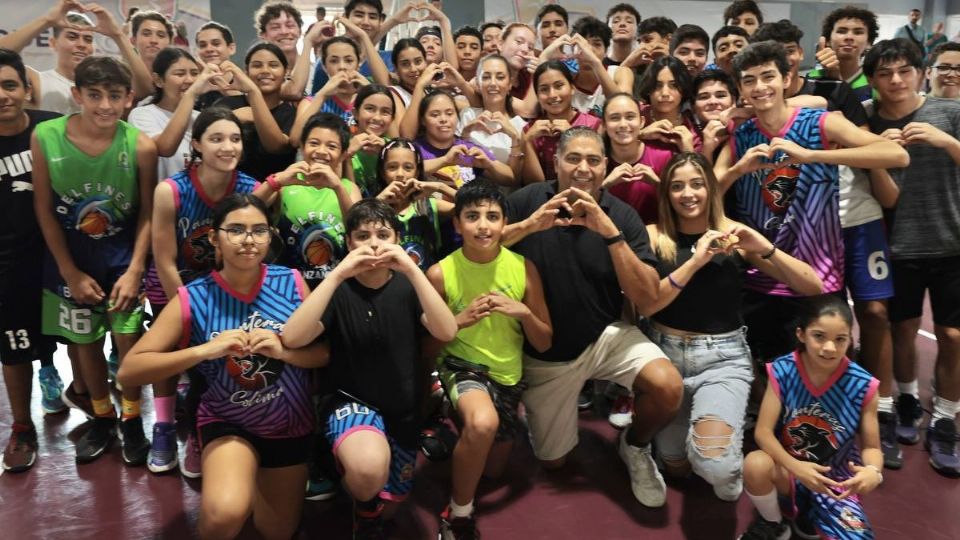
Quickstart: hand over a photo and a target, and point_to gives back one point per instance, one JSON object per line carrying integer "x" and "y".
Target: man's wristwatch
{"x": 614, "y": 239}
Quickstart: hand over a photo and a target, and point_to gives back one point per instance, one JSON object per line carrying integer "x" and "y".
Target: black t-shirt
{"x": 257, "y": 162}
{"x": 840, "y": 97}
{"x": 579, "y": 280}
{"x": 710, "y": 301}
{"x": 375, "y": 339}
{"x": 21, "y": 243}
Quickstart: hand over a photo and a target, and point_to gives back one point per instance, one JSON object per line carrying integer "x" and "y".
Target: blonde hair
{"x": 666, "y": 244}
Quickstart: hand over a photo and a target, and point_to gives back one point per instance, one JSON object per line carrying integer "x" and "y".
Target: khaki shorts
{"x": 618, "y": 355}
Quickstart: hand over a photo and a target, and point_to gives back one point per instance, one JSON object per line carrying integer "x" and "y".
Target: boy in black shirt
{"x": 21, "y": 255}
{"x": 374, "y": 307}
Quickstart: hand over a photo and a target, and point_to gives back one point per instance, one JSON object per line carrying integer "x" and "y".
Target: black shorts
{"x": 506, "y": 399}
{"x": 914, "y": 277}
{"x": 271, "y": 453}
{"x": 20, "y": 338}
{"x": 772, "y": 322}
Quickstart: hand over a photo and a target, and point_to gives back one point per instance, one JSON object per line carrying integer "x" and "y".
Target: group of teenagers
{"x": 485, "y": 217}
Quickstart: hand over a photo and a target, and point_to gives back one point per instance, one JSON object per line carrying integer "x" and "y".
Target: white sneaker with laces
{"x": 645, "y": 480}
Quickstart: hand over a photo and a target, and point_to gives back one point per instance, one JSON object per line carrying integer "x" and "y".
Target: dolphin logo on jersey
{"x": 254, "y": 372}
{"x": 320, "y": 246}
{"x": 94, "y": 218}
{"x": 417, "y": 253}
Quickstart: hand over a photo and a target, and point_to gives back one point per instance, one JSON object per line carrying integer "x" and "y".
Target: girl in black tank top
{"x": 696, "y": 320}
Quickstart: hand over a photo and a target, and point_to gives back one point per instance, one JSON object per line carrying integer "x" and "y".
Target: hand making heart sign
{"x": 627, "y": 172}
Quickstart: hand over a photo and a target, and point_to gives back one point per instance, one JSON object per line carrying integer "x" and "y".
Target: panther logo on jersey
{"x": 810, "y": 438}
{"x": 254, "y": 372}
{"x": 779, "y": 187}
{"x": 198, "y": 253}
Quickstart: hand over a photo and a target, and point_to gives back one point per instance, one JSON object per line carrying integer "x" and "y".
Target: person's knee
{"x": 713, "y": 451}
{"x": 948, "y": 336}
{"x": 481, "y": 424}
{"x": 222, "y": 517}
{"x": 663, "y": 383}
{"x": 873, "y": 314}
{"x": 758, "y": 464}
{"x": 366, "y": 480}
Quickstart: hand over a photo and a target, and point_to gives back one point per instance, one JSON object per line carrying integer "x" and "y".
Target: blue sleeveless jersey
{"x": 264, "y": 396}
{"x": 821, "y": 425}
{"x": 195, "y": 255}
{"x": 797, "y": 207}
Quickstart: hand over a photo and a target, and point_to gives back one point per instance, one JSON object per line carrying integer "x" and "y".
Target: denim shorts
{"x": 717, "y": 372}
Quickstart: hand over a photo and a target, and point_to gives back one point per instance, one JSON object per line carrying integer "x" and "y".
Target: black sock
{"x": 371, "y": 508}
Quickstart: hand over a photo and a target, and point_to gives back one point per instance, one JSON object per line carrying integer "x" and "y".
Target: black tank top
{"x": 710, "y": 302}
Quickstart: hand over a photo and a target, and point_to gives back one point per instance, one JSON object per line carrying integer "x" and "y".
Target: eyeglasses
{"x": 238, "y": 235}
{"x": 943, "y": 69}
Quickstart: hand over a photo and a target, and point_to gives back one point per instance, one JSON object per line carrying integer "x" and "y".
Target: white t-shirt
{"x": 151, "y": 119}
{"x": 591, "y": 103}
{"x": 55, "y": 93}
{"x": 857, "y": 204}
{"x": 500, "y": 143}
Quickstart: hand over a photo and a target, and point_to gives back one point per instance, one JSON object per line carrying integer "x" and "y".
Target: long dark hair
{"x": 207, "y": 117}
{"x": 163, "y": 62}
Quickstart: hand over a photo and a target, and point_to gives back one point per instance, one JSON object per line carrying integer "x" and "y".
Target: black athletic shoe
{"x": 909, "y": 413}
{"x": 892, "y": 455}
{"x": 368, "y": 526}
{"x": 762, "y": 529}
{"x": 136, "y": 447}
{"x": 462, "y": 528}
{"x": 97, "y": 439}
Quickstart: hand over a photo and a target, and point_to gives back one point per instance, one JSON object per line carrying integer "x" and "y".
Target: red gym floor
{"x": 589, "y": 499}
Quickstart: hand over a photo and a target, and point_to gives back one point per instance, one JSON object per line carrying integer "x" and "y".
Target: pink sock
{"x": 163, "y": 408}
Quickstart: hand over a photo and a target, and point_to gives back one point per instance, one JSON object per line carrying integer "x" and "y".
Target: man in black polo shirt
{"x": 591, "y": 255}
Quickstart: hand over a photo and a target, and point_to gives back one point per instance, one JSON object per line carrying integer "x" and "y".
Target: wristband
{"x": 766, "y": 256}
{"x": 673, "y": 283}
{"x": 273, "y": 183}
{"x": 614, "y": 239}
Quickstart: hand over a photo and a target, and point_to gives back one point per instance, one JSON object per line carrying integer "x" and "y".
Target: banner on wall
{"x": 193, "y": 13}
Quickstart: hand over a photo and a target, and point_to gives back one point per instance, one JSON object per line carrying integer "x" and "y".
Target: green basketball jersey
{"x": 497, "y": 340}
{"x": 312, "y": 229}
{"x": 96, "y": 196}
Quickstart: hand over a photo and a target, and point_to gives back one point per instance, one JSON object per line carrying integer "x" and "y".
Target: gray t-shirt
{"x": 926, "y": 221}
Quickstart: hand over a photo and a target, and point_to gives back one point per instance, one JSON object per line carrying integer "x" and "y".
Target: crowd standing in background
{"x": 341, "y": 251}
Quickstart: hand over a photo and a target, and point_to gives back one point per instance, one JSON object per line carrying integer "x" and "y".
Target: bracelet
{"x": 517, "y": 154}
{"x": 273, "y": 183}
{"x": 767, "y": 256}
{"x": 876, "y": 470}
{"x": 673, "y": 283}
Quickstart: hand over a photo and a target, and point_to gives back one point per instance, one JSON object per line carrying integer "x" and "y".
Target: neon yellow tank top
{"x": 496, "y": 341}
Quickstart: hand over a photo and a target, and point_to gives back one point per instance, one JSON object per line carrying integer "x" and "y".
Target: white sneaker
{"x": 621, "y": 414}
{"x": 645, "y": 480}
{"x": 729, "y": 492}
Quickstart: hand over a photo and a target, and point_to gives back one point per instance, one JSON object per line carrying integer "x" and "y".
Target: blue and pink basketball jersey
{"x": 796, "y": 206}
{"x": 262, "y": 395}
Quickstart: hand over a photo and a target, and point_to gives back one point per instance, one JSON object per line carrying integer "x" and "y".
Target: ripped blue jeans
{"x": 717, "y": 373}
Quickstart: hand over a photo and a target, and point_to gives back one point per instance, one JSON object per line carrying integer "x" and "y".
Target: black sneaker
{"x": 803, "y": 528}
{"x": 909, "y": 413}
{"x": 585, "y": 399}
{"x": 97, "y": 439}
{"x": 892, "y": 455}
{"x": 941, "y": 442}
{"x": 762, "y": 529}
{"x": 368, "y": 526}
{"x": 462, "y": 528}
{"x": 136, "y": 447}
